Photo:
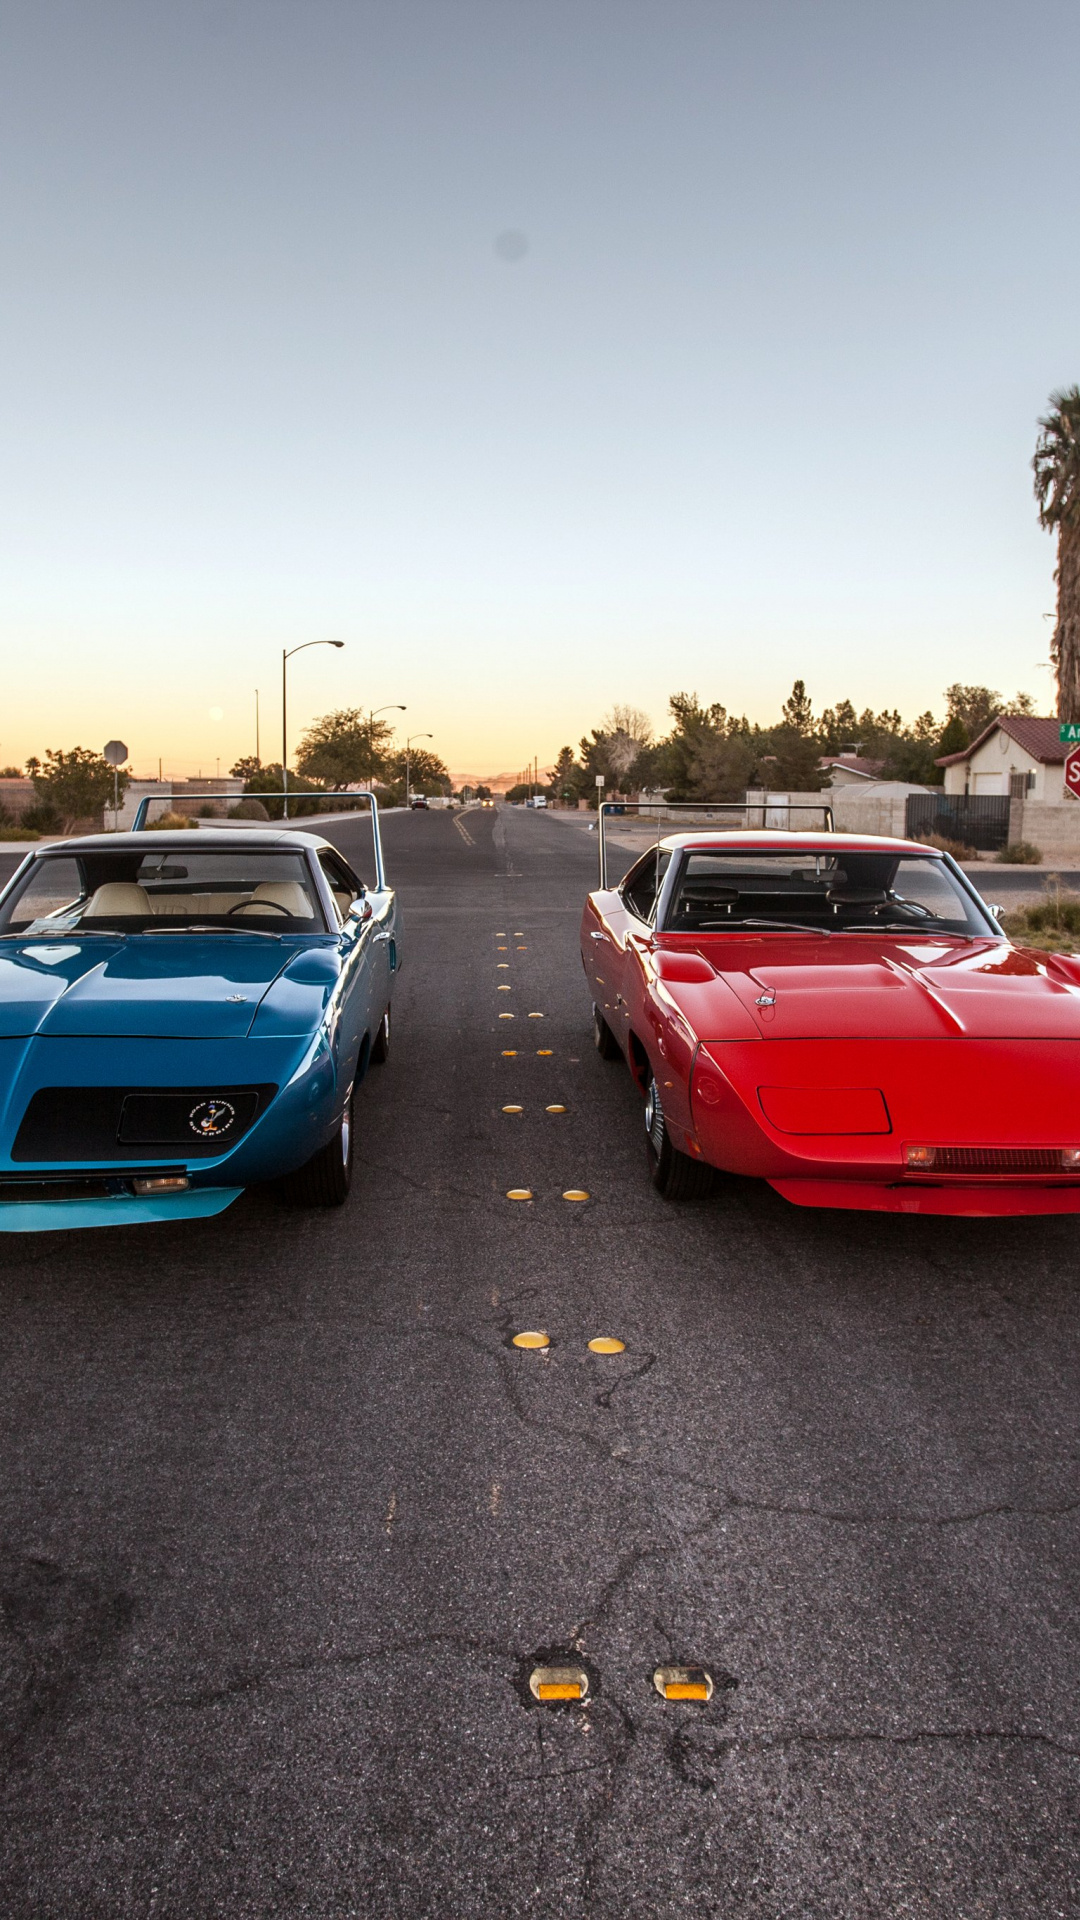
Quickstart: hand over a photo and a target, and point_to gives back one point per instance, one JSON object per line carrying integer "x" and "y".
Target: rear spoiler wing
{"x": 708, "y": 810}
{"x": 352, "y": 793}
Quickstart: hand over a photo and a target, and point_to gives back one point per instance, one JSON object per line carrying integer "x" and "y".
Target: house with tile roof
{"x": 1018, "y": 756}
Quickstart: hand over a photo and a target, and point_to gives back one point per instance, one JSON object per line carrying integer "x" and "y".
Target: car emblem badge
{"x": 211, "y": 1118}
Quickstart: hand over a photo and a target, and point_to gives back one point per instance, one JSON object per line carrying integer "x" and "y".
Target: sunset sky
{"x": 549, "y": 354}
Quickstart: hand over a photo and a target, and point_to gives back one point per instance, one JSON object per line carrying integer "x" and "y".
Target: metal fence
{"x": 977, "y": 819}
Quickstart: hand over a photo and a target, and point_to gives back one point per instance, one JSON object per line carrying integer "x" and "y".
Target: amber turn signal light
{"x": 919, "y": 1156}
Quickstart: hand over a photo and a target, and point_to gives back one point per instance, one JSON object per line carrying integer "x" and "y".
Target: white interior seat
{"x": 280, "y": 893}
{"x": 118, "y": 897}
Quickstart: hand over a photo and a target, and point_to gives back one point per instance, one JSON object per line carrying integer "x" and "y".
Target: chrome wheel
{"x": 654, "y": 1119}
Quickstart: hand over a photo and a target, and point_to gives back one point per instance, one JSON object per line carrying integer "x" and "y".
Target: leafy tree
{"x": 1057, "y": 490}
{"x": 10, "y": 773}
{"x": 483, "y": 793}
{"x": 266, "y": 781}
{"x": 76, "y": 785}
{"x": 245, "y": 767}
{"x": 427, "y": 773}
{"x": 344, "y": 748}
{"x": 975, "y": 706}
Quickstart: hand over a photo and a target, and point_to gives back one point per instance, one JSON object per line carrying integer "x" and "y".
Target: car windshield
{"x": 830, "y": 892}
{"x": 131, "y": 890}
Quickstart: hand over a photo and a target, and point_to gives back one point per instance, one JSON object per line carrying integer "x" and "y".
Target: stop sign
{"x": 1072, "y": 774}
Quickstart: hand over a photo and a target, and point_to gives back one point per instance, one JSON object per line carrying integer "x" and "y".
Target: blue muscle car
{"x": 183, "y": 1014}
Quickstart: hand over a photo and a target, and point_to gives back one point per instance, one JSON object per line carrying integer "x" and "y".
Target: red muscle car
{"x": 841, "y": 1016}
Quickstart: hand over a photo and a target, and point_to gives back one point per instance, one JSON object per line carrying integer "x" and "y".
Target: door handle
{"x": 598, "y": 936}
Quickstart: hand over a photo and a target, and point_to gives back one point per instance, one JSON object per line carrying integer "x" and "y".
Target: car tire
{"x": 673, "y": 1174}
{"x": 380, "y": 1046}
{"x": 325, "y": 1179}
{"x": 603, "y": 1039}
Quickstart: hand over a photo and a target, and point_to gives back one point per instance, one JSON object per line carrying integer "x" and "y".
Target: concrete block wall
{"x": 1055, "y": 830}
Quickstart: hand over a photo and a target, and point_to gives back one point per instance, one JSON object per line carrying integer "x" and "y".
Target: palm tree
{"x": 1057, "y": 490}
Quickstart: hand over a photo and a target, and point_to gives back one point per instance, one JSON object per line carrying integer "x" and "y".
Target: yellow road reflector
{"x": 502, "y": 949}
{"x": 575, "y": 1193}
{"x": 506, "y": 1016}
{"x": 683, "y": 1683}
{"x": 554, "y": 1109}
{"x": 519, "y": 1193}
{"x": 523, "y": 949}
{"x": 519, "y": 936}
{"x": 503, "y": 988}
{"x": 544, "y": 1053}
{"x": 606, "y": 1343}
{"x": 531, "y": 1340}
{"x": 536, "y": 1016}
{"x": 511, "y": 1109}
{"x": 558, "y": 1683}
{"x": 508, "y": 1053}
{"x": 502, "y": 966}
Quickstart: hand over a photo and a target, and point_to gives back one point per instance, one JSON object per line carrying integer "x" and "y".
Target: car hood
{"x": 795, "y": 988}
{"x": 161, "y": 986}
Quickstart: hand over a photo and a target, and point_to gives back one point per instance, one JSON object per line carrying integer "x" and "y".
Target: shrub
{"x": 171, "y": 822}
{"x": 249, "y": 810}
{"x": 956, "y": 847}
{"x": 43, "y": 818}
{"x": 18, "y": 833}
{"x": 1019, "y": 853}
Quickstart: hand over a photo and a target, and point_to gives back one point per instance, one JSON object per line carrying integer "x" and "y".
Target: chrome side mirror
{"x": 361, "y": 908}
{"x": 996, "y": 911}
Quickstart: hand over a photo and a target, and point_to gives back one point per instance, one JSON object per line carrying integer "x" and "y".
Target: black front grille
{"x": 93, "y": 1123}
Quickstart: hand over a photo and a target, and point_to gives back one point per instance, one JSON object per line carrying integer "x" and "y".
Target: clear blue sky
{"x": 757, "y": 398}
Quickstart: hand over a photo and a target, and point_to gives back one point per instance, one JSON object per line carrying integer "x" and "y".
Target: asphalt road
{"x": 286, "y": 1519}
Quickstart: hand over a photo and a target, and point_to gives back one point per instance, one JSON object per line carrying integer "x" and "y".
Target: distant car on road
{"x": 183, "y": 1014}
{"x": 418, "y": 803}
{"x": 842, "y": 1017}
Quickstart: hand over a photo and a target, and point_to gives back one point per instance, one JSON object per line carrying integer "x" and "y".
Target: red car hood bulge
{"x": 862, "y": 986}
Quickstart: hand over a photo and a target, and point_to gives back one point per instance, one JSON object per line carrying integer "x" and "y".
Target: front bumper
{"x": 115, "y": 1210}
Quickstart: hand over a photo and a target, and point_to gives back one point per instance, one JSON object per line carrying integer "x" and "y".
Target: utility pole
{"x": 258, "y": 757}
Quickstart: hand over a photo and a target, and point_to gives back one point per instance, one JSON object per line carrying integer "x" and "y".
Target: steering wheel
{"x": 263, "y": 906}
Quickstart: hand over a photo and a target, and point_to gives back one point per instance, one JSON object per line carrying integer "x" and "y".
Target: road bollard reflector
{"x": 606, "y": 1343}
{"x": 683, "y": 1683}
{"x": 558, "y": 1683}
{"x": 531, "y": 1340}
{"x": 520, "y": 1193}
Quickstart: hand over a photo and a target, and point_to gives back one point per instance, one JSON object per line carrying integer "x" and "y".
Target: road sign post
{"x": 115, "y": 752}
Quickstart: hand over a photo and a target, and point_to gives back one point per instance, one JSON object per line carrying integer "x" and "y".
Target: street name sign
{"x": 1069, "y": 733}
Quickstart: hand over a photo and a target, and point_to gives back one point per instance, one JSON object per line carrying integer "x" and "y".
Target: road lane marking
{"x": 558, "y": 1683}
{"x": 495, "y": 1497}
{"x": 390, "y": 1512}
{"x": 464, "y": 832}
{"x": 683, "y": 1683}
{"x": 606, "y": 1343}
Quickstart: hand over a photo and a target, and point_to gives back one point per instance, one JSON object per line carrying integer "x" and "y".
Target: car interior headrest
{"x": 117, "y": 898}
{"x": 856, "y": 896}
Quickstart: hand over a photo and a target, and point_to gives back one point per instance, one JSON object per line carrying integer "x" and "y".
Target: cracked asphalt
{"x": 285, "y": 1518}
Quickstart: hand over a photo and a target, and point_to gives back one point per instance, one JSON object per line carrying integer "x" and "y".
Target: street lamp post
{"x": 392, "y": 706}
{"x": 286, "y": 656}
{"x": 408, "y": 744}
